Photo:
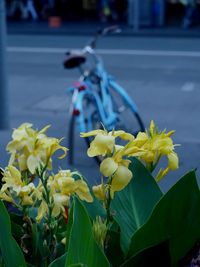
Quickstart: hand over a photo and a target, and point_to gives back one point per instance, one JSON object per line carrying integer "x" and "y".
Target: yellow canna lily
{"x": 120, "y": 179}
{"x": 116, "y": 168}
{"x": 15, "y": 187}
{"x": 60, "y": 202}
{"x": 99, "y": 191}
{"x": 42, "y": 210}
{"x": 104, "y": 142}
{"x": 83, "y": 191}
{"x": 108, "y": 167}
{"x": 30, "y": 148}
{"x": 101, "y": 145}
{"x": 172, "y": 160}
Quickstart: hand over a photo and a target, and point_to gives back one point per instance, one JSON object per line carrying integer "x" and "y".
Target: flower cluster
{"x": 149, "y": 146}
{"x": 26, "y": 182}
{"x": 30, "y": 148}
{"x": 60, "y": 188}
{"x": 15, "y": 189}
{"x": 44, "y": 200}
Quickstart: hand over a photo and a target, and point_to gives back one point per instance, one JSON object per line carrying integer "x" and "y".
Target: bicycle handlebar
{"x": 102, "y": 32}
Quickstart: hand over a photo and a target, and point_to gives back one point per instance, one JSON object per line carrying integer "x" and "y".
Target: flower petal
{"x": 108, "y": 167}
{"x": 101, "y": 145}
{"x": 99, "y": 191}
{"x": 172, "y": 161}
{"x": 120, "y": 180}
{"x": 83, "y": 191}
{"x": 32, "y": 163}
{"x": 92, "y": 133}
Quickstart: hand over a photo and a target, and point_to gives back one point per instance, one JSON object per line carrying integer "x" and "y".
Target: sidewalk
{"x": 89, "y": 27}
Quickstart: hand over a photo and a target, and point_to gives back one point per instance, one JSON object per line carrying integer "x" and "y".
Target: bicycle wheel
{"x": 128, "y": 118}
{"x": 90, "y": 120}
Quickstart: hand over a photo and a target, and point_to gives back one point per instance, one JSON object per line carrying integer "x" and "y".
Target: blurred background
{"x": 156, "y": 58}
{"x": 147, "y": 13}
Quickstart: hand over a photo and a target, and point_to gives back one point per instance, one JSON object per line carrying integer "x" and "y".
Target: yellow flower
{"x": 60, "y": 201}
{"x": 15, "y": 187}
{"x": 117, "y": 169}
{"x": 30, "y": 148}
{"x": 108, "y": 167}
{"x": 104, "y": 141}
{"x": 120, "y": 179}
{"x": 101, "y": 145}
{"x": 157, "y": 145}
{"x": 42, "y": 210}
{"x": 61, "y": 187}
{"x": 99, "y": 191}
{"x": 161, "y": 174}
{"x": 83, "y": 191}
{"x": 172, "y": 160}
{"x": 64, "y": 183}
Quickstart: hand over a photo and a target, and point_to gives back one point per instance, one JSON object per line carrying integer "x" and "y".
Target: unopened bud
{"x": 100, "y": 231}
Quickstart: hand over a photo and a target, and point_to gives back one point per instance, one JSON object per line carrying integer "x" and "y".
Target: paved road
{"x": 161, "y": 74}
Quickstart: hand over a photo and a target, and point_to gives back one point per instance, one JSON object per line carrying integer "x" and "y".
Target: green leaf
{"x": 17, "y": 230}
{"x": 133, "y": 205}
{"x": 59, "y": 262}
{"x": 11, "y": 252}
{"x": 176, "y": 218}
{"x": 95, "y": 208}
{"x": 113, "y": 250}
{"x": 78, "y": 265}
{"x": 157, "y": 256}
{"x": 35, "y": 239}
{"x": 69, "y": 226}
{"x": 82, "y": 245}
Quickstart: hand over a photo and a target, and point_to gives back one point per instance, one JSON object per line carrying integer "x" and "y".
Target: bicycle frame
{"x": 95, "y": 88}
{"x": 104, "y": 102}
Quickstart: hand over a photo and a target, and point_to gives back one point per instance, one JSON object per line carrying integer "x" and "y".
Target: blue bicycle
{"x": 97, "y": 99}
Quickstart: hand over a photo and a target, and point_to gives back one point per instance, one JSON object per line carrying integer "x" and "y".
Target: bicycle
{"x": 97, "y": 99}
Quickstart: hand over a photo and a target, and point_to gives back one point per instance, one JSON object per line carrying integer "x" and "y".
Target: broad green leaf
{"x": 133, "y": 205}
{"x": 157, "y": 256}
{"x": 95, "y": 208}
{"x": 113, "y": 250}
{"x": 78, "y": 265}
{"x": 59, "y": 262}
{"x": 82, "y": 245}
{"x": 10, "y": 250}
{"x": 35, "y": 239}
{"x": 69, "y": 226}
{"x": 17, "y": 230}
{"x": 175, "y": 218}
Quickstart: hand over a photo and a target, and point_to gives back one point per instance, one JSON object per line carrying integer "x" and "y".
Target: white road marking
{"x": 188, "y": 87}
{"x": 131, "y": 52}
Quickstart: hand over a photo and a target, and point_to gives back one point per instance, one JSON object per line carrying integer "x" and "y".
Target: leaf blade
{"x": 82, "y": 246}
{"x": 11, "y": 252}
{"x": 171, "y": 221}
{"x": 133, "y": 205}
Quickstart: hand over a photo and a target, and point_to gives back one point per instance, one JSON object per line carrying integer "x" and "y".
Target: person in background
{"x": 30, "y": 9}
{"x": 107, "y": 10}
{"x": 191, "y": 13}
{"x": 17, "y": 5}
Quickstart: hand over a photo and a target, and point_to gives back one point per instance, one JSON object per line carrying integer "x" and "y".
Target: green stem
{"x": 44, "y": 180}
{"x": 108, "y": 202}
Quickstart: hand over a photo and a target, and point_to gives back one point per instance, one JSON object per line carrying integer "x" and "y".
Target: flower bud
{"x": 99, "y": 231}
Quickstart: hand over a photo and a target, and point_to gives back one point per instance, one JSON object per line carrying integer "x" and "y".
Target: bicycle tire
{"x": 95, "y": 121}
{"x": 71, "y": 136}
{"x": 125, "y": 108}
{"x": 92, "y": 121}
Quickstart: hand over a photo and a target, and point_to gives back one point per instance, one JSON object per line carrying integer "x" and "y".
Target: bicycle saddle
{"x": 74, "y": 60}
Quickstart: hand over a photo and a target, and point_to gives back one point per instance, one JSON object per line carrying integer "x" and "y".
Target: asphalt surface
{"x": 161, "y": 75}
